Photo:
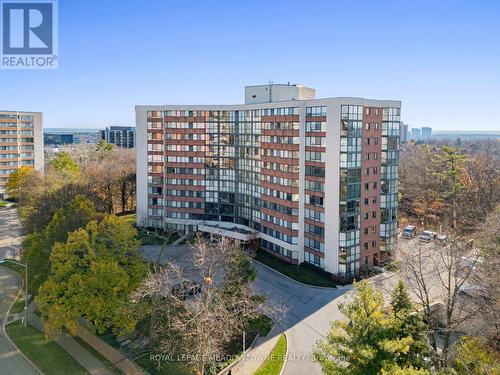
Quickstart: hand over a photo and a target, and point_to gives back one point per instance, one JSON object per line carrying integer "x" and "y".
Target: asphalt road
{"x": 10, "y": 233}
{"x": 11, "y": 361}
{"x": 307, "y": 320}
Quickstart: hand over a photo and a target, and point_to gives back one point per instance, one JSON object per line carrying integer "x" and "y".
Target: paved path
{"x": 10, "y": 233}
{"x": 11, "y": 361}
{"x": 310, "y": 311}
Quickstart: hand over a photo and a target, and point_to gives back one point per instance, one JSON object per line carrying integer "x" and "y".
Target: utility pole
{"x": 244, "y": 354}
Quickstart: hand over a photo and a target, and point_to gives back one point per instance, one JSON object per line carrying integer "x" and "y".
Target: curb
{"x": 5, "y": 332}
{"x": 286, "y": 353}
{"x": 293, "y": 280}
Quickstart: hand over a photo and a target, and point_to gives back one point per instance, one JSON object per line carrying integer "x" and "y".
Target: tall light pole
{"x": 244, "y": 348}
{"x": 25, "y": 265}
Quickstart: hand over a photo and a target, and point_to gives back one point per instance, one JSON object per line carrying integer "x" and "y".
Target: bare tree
{"x": 112, "y": 176}
{"x": 443, "y": 185}
{"x": 437, "y": 276}
{"x": 488, "y": 244}
{"x": 200, "y": 309}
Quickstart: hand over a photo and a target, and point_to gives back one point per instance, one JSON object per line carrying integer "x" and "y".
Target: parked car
{"x": 186, "y": 288}
{"x": 427, "y": 236}
{"x": 474, "y": 291}
{"x": 442, "y": 239}
{"x": 409, "y": 231}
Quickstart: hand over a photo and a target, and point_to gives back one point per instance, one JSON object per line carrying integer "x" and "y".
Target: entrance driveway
{"x": 309, "y": 310}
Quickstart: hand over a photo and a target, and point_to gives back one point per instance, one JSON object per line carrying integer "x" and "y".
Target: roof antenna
{"x": 270, "y": 91}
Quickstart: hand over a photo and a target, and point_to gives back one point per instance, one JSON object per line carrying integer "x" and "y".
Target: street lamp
{"x": 25, "y": 265}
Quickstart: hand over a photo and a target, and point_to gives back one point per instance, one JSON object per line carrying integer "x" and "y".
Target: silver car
{"x": 427, "y": 236}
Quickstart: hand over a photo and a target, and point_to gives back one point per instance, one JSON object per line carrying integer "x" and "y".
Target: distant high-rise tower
{"x": 403, "y": 133}
{"x": 426, "y": 133}
{"x": 416, "y": 134}
{"x": 122, "y": 136}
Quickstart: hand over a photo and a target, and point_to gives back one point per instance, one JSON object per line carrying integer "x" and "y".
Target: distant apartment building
{"x": 415, "y": 134}
{"x": 426, "y": 133}
{"x": 21, "y": 143}
{"x": 403, "y": 132}
{"x": 57, "y": 139}
{"x": 122, "y": 136}
{"x": 314, "y": 180}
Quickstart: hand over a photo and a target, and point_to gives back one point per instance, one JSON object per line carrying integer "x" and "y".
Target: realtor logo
{"x": 29, "y": 34}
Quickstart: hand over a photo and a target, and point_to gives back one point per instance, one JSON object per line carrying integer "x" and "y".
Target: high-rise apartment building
{"x": 315, "y": 180}
{"x": 403, "y": 132}
{"x": 21, "y": 143}
{"x": 426, "y": 133}
{"x": 121, "y": 136}
{"x": 56, "y": 139}
{"x": 415, "y": 134}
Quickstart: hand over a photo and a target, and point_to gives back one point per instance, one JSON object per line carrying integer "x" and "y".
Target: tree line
{"x": 105, "y": 176}
{"x": 449, "y": 187}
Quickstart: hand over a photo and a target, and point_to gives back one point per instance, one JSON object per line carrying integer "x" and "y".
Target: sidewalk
{"x": 258, "y": 354}
{"x": 93, "y": 365}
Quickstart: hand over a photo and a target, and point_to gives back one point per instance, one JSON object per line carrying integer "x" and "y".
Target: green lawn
{"x": 300, "y": 273}
{"x": 19, "y": 304}
{"x": 262, "y": 325}
{"x": 273, "y": 364}
{"x": 20, "y": 270}
{"x": 2, "y": 203}
{"x": 47, "y": 355}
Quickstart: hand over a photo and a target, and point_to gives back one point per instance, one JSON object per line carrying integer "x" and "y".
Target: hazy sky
{"x": 441, "y": 58}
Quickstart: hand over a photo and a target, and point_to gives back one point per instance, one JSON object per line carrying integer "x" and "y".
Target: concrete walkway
{"x": 93, "y": 365}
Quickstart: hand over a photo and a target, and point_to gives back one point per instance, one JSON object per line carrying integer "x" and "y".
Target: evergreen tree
{"x": 407, "y": 323}
{"x": 373, "y": 338}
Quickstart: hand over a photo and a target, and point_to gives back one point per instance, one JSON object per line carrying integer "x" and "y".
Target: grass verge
{"x": 46, "y": 354}
{"x": 19, "y": 304}
{"x": 300, "y": 273}
{"x": 20, "y": 270}
{"x": 274, "y": 363}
